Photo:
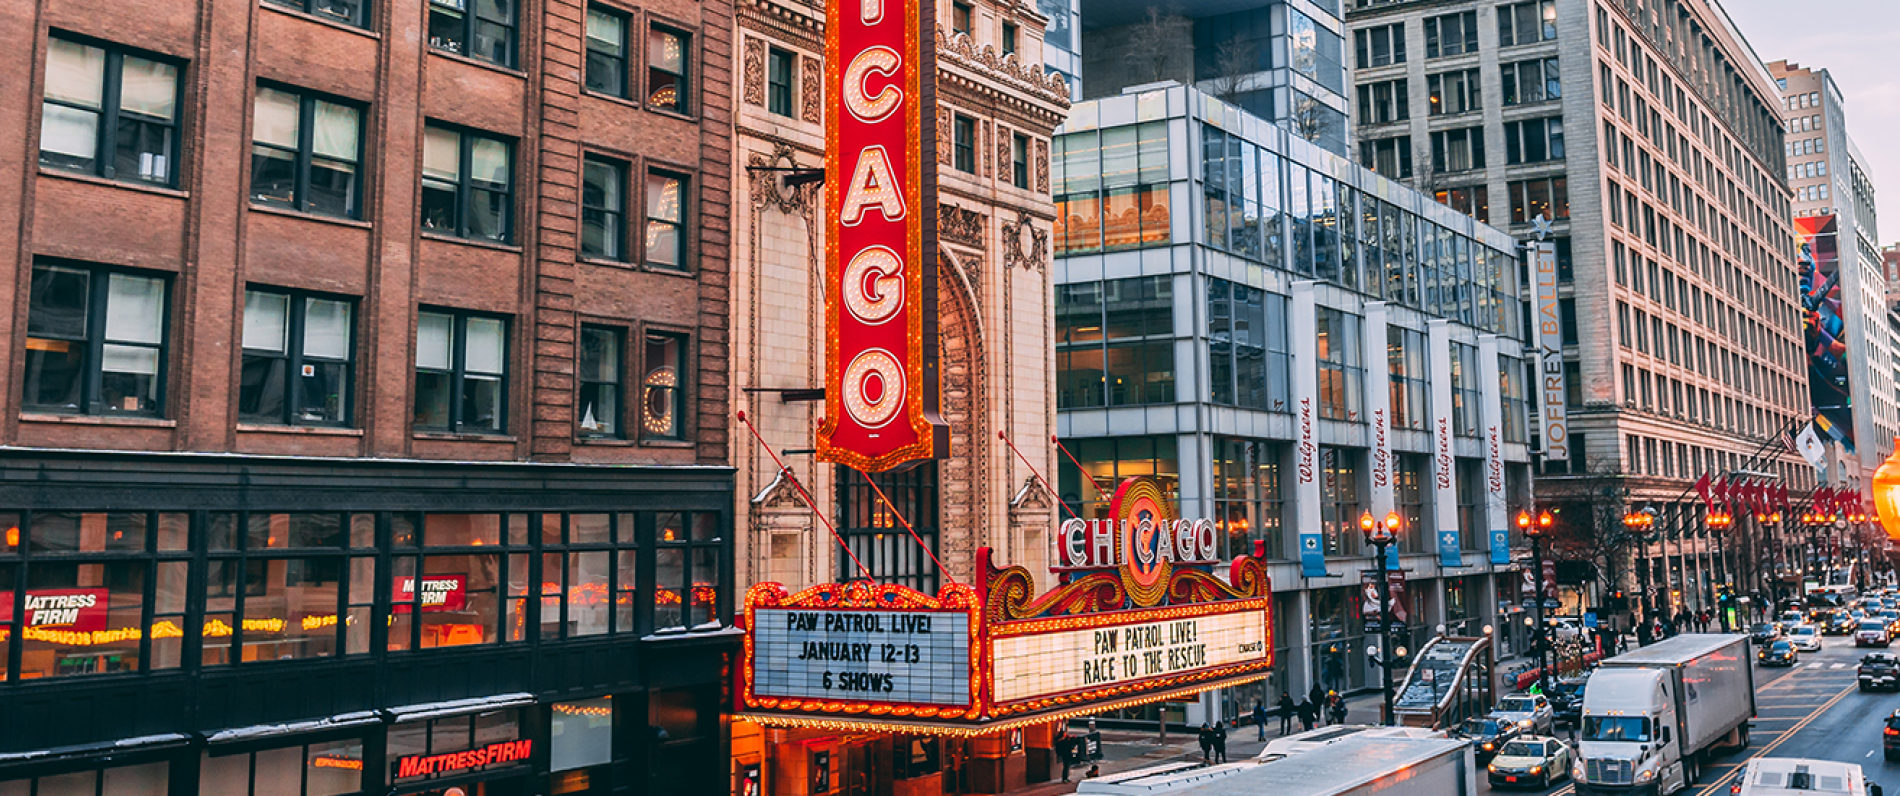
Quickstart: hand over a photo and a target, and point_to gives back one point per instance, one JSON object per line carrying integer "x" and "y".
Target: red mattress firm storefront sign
{"x": 439, "y": 593}
{"x": 77, "y": 610}
{"x": 880, "y": 270}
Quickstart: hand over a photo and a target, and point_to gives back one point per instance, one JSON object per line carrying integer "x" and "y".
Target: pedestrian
{"x": 1317, "y": 695}
{"x": 1286, "y": 712}
{"x": 1207, "y": 743}
{"x": 1220, "y": 742}
{"x": 1336, "y": 708}
{"x": 1260, "y": 717}
{"x": 1309, "y": 714}
{"x": 1066, "y": 749}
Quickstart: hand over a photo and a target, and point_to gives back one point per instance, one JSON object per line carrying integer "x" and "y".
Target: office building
{"x": 1649, "y": 136}
{"x": 1287, "y": 341}
{"x": 366, "y": 419}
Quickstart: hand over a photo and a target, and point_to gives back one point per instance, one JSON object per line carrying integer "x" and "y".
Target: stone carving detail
{"x": 1005, "y": 166}
{"x": 1042, "y": 165}
{"x": 983, "y": 150}
{"x": 1025, "y": 244}
{"x": 754, "y": 71}
{"x": 811, "y": 90}
{"x": 768, "y": 189}
{"x": 945, "y": 144}
{"x": 1048, "y": 86}
{"x": 960, "y": 226}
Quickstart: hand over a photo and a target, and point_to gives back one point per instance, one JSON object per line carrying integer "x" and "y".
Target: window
{"x": 319, "y": 769}
{"x": 467, "y": 184}
{"x": 1549, "y": 198}
{"x": 599, "y": 376}
{"x": 296, "y": 368}
{"x": 87, "y": 584}
{"x": 1248, "y": 503}
{"x": 663, "y": 388}
{"x": 1382, "y": 45}
{"x": 960, "y": 18}
{"x": 283, "y": 586}
{"x": 873, "y": 533}
{"x": 577, "y": 579}
{"x": 95, "y": 341}
{"x": 1517, "y": 411}
{"x": 1458, "y": 150}
{"x": 1115, "y": 343}
{"x": 666, "y": 221}
{"x": 1384, "y": 102}
{"x": 1527, "y": 23}
{"x": 1340, "y": 500}
{"x": 780, "y": 66}
{"x": 1410, "y": 377}
{"x": 448, "y": 736}
{"x": 1109, "y": 461}
{"x": 1247, "y": 346}
{"x": 349, "y": 12}
{"x": 109, "y": 112}
{"x": 666, "y": 70}
{"x": 1454, "y": 92}
{"x": 964, "y": 134}
{"x": 486, "y": 35}
{"x": 1341, "y": 373}
{"x": 687, "y": 570}
{"x": 461, "y": 370}
{"x": 1391, "y": 157}
{"x": 1111, "y": 188}
{"x": 1464, "y": 390}
{"x": 1526, "y": 82}
{"x": 1534, "y": 140}
{"x": 1009, "y": 38}
{"x": 1019, "y": 161}
{"x": 305, "y": 152}
{"x": 606, "y": 51}
{"x": 603, "y": 208}
{"x": 1451, "y": 34}
{"x": 1471, "y": 200}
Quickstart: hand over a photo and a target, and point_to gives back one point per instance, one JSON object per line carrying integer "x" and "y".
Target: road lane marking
{"x": 1742, "y": 764}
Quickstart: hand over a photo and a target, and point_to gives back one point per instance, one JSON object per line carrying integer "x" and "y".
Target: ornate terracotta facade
{"x": 994, "y": 294}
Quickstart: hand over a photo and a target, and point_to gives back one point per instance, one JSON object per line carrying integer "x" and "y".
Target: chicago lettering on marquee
{"x": 881, "y": 379}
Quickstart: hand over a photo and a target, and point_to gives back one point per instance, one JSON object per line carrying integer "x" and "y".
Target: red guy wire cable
{"x": 1099, "y": 492}
{"x": 809, "y": 503}
{"x": 1032, "y": 471}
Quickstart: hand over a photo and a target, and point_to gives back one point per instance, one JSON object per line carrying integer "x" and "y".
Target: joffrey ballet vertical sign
{"x": 880, "y": 237}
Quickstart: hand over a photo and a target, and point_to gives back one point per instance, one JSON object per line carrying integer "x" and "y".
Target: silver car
{"x": 1806, "y": 638}
{"x": 1529, "y": 711}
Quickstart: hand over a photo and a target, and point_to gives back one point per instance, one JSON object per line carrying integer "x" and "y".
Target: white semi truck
{"x": 1363, "y": 761}
{"x": 1652, "y": 716}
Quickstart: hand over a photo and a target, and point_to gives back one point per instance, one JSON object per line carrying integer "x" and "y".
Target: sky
{"x": 1855, "y": 40}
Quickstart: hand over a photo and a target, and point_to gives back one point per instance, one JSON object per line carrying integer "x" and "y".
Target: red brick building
{"x": 418, "y": 293}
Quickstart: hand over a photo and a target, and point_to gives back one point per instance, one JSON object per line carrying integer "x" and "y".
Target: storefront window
{"x": 448, "y": 601}
{"x": 140, "y": 780}
{"x": 581, "y": 734}
{"x": 1109, "y": 460}
{"x": 1340, "y": 500}
{"x": 1247, "y": 500}
{"x": 686, "y": 570}
{"x": 264, "y": 603}
{"x": 421, "y": 751}
{"x": 84, "y": 608}
{"x": 321, "y": 769}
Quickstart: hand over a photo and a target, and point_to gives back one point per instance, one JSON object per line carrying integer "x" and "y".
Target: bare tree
{"x": 1310, "y": 119}
{"x": 1589, "y": 510}
{"x": 1154, "y": 42}
{"x": 1234, "y": 60}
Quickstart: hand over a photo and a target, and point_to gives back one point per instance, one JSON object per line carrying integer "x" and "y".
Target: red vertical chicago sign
{"x": 881, "y": 375}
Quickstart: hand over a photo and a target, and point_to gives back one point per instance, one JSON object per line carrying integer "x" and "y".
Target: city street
{"x": 1813, "y": 710}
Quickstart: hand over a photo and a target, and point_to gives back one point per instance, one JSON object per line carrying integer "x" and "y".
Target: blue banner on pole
{"x": 1500, "y": 547}
{"x": 1448, "y": 555}
{"x": 1392, "y": 557}
{"x": 1312, "y": 556}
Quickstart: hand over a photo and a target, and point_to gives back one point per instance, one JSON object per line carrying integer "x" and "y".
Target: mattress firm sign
{"x": 905, "y": 657}
{"x": 1047, "y": 664}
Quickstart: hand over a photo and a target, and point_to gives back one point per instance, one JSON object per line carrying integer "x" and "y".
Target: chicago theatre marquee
{"x": 902, "y": 691}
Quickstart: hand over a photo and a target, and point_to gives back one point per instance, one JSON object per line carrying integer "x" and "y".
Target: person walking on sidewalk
{"x": 1207, "y": 743}
{"x": 1260, "y": 718}
{"x": 1335, "y": 708}
{"x": 1309, "y": 714}
{"x": 1287, "y": 710}
{"x": 1220, "y": 742}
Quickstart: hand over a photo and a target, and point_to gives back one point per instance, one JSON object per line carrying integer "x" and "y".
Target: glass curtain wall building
{"x": 1217, "y": 280}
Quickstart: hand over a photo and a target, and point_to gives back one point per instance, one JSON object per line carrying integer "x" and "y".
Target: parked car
{"x": 1873, "y": 633}
{"x": 1806, "y": 638}
{"x": 1778, "y": 653}
{"x": 1530, "y": 711}
{"x": 1488, "y": 735}
{"x": 1879, "y": 670}
{"x": 1764, "y": 632}
{"x": 1530, "y": 760}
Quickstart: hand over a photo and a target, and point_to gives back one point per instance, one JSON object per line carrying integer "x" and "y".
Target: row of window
{"x": 111, "y": 591}
{"x": 98, "y": 339}
{"x": 112, "y": 112}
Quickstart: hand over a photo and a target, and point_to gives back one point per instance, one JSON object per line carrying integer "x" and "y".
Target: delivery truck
{"x": 1652, "y": 717}
{"x": 1363, "y": 764}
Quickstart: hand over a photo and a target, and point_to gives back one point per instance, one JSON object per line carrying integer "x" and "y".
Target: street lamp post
{"x": 1534, "y": 530}
{"x": 1381, "y": 535}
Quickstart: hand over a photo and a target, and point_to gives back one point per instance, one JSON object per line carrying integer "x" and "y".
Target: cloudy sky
{"x": 1856, "y": 41}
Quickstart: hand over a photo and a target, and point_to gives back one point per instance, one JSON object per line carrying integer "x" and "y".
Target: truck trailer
{"x": 1394, "y": 761}
{"x": 1652, "y": 717}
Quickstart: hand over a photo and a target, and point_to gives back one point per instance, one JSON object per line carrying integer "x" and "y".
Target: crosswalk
{"x": 1818, "y": 665}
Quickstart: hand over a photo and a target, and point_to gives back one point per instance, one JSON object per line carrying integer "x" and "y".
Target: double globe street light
{"x": 1381, "y": 535}
{"x": 1534, "y": 529}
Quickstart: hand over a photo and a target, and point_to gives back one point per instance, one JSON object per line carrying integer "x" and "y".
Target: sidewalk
{"x": 1126, "y": 750}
